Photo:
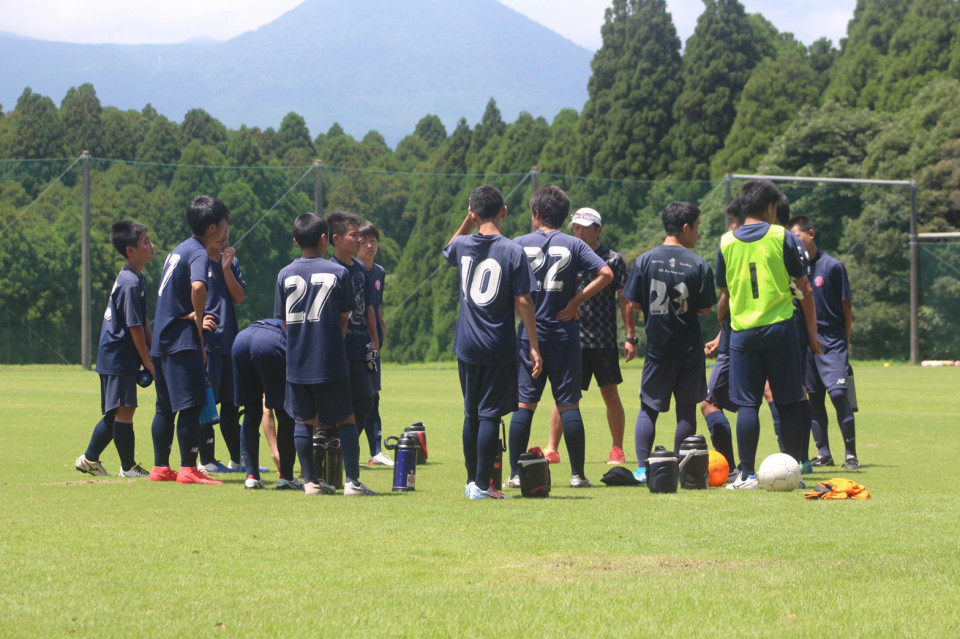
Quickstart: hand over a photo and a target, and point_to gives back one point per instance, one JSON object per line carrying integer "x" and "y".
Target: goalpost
{"x": 914, "y": 237}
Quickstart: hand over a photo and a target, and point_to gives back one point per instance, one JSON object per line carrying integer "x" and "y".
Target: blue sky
{"x": 167, "y": 21}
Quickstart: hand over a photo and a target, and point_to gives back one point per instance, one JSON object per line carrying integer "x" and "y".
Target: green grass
{"x": 121, "y": 558}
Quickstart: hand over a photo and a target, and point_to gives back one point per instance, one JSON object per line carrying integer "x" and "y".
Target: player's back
{"x": 556, "y": 258}
{"x": 186, "y": 264}
{"x": 311, "y": 295}
{"x": 493, "y": 273}
{"x": 672, "y": 284}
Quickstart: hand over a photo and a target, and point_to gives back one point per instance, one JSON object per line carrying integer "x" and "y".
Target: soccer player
{"x": 495, "y": 282}
{"x": 124, "y": 336}
{"x": 225, "y": 288}
{"x": 827, "y": 372}
{"x": 314, "y": 298}
{"x": 672, "y": 285}
{"x": 362, "y": 342}
{"x": 376, "y": 276}
{"x": 177, "y": 347}
{"x": 555, "y": 258}
{"x": 598, "y": 335}
{"x": 755, "y": 264}
{"x": 718, "y": 388}
{"x": 259, "y": 356}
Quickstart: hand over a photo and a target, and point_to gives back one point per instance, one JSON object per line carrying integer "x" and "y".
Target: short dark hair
{"x": 339, "y": 222}
{"x": 308, "y": 229}
{"x": 804, "y": 222}
{"x": 735, "y": 211}
{"x": 783, "y": 210}
{"x": 676, "y": 214}
{"x": 486, "y": 201}
{"x": 126, "y": 233}
{"x": 369, "y": 229}
{"x": 756, "y": 196}
{"x": 552, "y": 204}
{"x": 205, "y": 210}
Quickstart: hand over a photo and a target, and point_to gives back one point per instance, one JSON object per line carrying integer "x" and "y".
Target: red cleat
{"x": 190, "y": 475}
{"x": 617, "y": 456}
{"x": 162, "y": 473}
{"x": 552, "y": 456}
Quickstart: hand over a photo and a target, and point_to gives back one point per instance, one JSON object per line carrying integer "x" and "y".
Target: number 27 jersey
{"x": 311, "y": 295}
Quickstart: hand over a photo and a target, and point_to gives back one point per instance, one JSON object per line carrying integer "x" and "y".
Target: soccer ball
{"x": 779, "y": 472}
{"x": 719, "y": 469}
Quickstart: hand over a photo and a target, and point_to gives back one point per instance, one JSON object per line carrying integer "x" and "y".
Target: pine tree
{"x": 80, "y": 112}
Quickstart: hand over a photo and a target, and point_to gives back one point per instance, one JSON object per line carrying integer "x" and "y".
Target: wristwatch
{"x": 632, "y": 340}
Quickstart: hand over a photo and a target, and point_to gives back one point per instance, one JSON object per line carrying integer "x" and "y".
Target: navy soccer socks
{"x": 845, "y": 417}
{"x": 686, "y": 424}
{"x": 644, "y": 432}
{"x": 303, "y": 441}
{"x": 748, "y": 436}
{"x": 188, "y": 436}
{"x": 488, "y": 441}
{"x": 230, "y": 429}
{"x": 720, "y": 436}
{"x": 350, "y": 448}
{"x": 250, "y": 432}
{"x": 162, "y": 431}
{"x": 471, "y": 430}
{"x": 101, "y": 438}
{"x": 575, "y": 439}
{"x": 286, "y": 447}
{"x": 519, "y": 436}
{"x": 125, "y": 441}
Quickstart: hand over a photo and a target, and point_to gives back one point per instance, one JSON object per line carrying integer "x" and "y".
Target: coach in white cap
{"x": 598, "y": 336}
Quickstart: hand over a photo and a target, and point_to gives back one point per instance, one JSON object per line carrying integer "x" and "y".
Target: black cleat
{"x": 822, "y": 460}
{"x": 852, "y": 463}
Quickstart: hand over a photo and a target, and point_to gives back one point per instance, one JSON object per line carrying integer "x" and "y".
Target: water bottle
{"x": 208, "y": 414}
{"x": 319, "y": 450}
{"x": 333, "y": 459}
{"x": 496, "y": 475}
{"x": 694, "y": 463}
{"x": 534, "y": 474}
{"x": 420, "y": 432}
{"x": 405, "y": 461}
{"x": 662, "y": 471}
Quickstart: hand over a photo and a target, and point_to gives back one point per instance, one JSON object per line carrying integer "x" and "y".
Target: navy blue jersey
{"x": 377, "y": 277}
{"x": 773, "y": 334}
{"x": 126, "y": 307}
{"x": 185, "y": 265}
{"x": 357, "y": 335}
{"x": 221, "y": 306}
{"x": 828, "y": 278}
{"x": 671, "y": 284}
{"x": 311, "y": 295}
{"x": 493, "y": 272}
{"x": 556, "y": 258}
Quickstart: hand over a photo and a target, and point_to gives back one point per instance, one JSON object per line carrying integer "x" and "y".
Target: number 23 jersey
{"x": 671, "y": 283}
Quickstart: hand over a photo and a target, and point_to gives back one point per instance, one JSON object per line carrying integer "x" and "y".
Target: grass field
{"x": 123, "y": 558}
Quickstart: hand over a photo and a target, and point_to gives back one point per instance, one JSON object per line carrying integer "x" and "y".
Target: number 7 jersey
{"x": 311, "y": 295}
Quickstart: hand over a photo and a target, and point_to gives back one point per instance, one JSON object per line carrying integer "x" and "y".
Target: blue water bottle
{"x": 208, "y": 414}
{"x": 405, "y": 463}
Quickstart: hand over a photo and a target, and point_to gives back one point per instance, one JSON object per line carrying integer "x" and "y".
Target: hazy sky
{"x": 167, "y": 21}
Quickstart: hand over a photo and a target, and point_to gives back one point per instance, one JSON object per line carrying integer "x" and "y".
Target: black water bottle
{"x": 662, "y": 471}
{"x": 420, "y": 432}
{"x": 319, "y": 450}
{"x": 694, "y": 463}
{"x": 333, "y": 460}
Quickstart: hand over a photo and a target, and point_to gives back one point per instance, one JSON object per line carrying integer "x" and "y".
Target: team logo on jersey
{"x": 842, "y": 380}
{"x": 818, "y": 280}
{"x": 377, "y": 284}
{"x": 673, "y": 262}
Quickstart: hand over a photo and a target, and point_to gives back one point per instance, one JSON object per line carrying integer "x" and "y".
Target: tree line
{"x": 662, "y": 122}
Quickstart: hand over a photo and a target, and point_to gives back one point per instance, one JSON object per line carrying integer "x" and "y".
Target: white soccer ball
{"x": 779, "y": 472}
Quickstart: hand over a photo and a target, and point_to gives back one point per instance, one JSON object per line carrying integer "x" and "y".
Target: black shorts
{"x": 181, "y": 381}
{"x": 602, "y": 363}
{"x": 684, "y": 377}
{"x": 826, "y": 371}
{"x": 718, "y": 388}
{"x": 330, "y": 402}
{"x": 489, "y": 392}
{"x": 117, "y": 391}
{"x": 561, "y": 365}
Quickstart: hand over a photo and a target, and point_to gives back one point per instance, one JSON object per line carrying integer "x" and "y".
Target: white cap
{"x": 586, "y": 217}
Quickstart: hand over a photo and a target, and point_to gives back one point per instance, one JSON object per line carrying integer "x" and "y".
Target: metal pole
{"x": 317, "y": 187}
{"x": 533, "y": 179}
{"x": 727, "y": 197}
{"x": 85, "y": 266}
{"x": 914, "y": 279}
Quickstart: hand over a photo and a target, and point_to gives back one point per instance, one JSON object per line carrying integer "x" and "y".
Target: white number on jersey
{"x": 168, "y": 267}
{"x": 661, "y": 299}
{"x": 480, "y": 284}
{"x": 537, "y": 259}
{"x": 296, "y": 288}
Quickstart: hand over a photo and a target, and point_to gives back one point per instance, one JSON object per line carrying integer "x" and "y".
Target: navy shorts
{"x": 718, "y": 388}
{"x": 220, "y": 372}
{"x": 260, "y": 367}
{"x": 361, "y": 381}
{"x": 682, "y": 376}
{"x": 330, "y": 402}
{"x": 827, "y": 371}
{"x": 750, "y": 370}
{"x": 602, "y": 363}
{"x": 489, "y": 392}
{"x": 180, "y": 381}
{"x": 561, "y": 365}
{"x": 117, "y": 391}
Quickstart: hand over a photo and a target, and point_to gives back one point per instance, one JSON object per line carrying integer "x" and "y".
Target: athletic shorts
{"x": 361, "y": 381}
{"x": 489, "y": 392}
{"x": 181, "y": 381}
{"x": 718, "y": 388}
{"x": 260, "y": 367}
{"x": 220, "y": 372}
{"x": 682, "y": 376}
{"x": 117, "y": 391}
{"x": 602, "y": 363}
{"x": 749, "y": 370}
{"x": 561, "y": 365}
{"x": 330, "y": 402}
{"x": 826, "y": 371}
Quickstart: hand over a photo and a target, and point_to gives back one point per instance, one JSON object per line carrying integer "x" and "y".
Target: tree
{"x": 293, "y": 134}
{"x": 635, "y": 81}
{"x": 204, "y": 128}
{"x": 159, "y": 147}
{"x": 717, "y": 62}
{"x": 80, "y": 111}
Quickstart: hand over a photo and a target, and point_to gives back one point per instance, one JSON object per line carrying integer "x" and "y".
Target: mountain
{"x": 367, "y": 64}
